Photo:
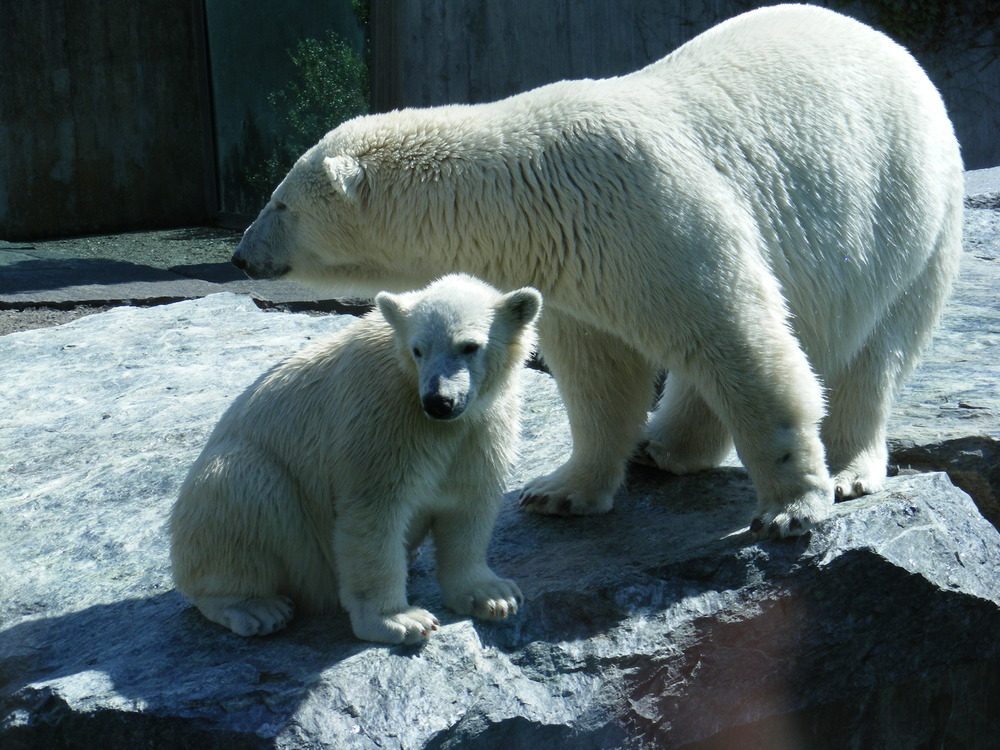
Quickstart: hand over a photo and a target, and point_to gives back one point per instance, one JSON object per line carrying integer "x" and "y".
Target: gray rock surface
{"x": 661, "y": 625}
{"x": 948, "y": 416}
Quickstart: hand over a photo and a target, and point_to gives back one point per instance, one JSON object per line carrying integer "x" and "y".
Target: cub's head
{"x": 465, "y": 340}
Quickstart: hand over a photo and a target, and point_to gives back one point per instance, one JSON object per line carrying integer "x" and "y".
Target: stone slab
{"x": 659, "y": 625}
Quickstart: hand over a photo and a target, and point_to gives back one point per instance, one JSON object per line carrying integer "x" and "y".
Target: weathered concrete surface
{"x": 660, "y": 625}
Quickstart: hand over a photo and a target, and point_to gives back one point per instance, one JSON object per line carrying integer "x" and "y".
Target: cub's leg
{"x": 684, "y": 435}
{"x": 606, "y": 386}
{"x": 371, "y": 553}
{"x": 237, "y": 530}
{"x": 461, "y": 537}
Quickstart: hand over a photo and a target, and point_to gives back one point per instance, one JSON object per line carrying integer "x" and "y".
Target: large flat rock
{"x": 660, "y": 625}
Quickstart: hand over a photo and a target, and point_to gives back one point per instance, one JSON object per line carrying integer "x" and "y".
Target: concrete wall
{"x": 428, "y": 52}
{"x": 103, "y": 116}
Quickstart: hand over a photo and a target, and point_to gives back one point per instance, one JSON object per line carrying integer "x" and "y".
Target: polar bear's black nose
{"x": 438, "y": 406}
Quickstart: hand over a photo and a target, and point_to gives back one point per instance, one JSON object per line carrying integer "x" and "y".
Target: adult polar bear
{"x": 779, "y": 199}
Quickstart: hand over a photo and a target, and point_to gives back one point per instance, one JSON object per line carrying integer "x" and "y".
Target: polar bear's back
{"x": 790, "y": 136}
{"x": 302, "y": 410}
{"x": 838, "y": 148}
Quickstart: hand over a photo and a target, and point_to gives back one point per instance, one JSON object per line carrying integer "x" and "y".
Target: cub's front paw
{"x": 490, "y": 598}
{"x": 409, "y": 626}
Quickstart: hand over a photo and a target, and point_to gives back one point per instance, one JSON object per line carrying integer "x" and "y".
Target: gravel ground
{"x": 159, "y": 249}
{"x": 12, "y": 321}
{"x": 162, "y": 249}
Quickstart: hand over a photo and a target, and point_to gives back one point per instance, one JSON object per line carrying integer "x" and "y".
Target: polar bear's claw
{"x": 488, "y": 599}
{"x": 411, "y": 626}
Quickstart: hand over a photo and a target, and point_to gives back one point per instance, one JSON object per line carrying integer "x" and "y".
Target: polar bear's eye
{"x": 417, "y": 354}
{"x": 470, "y": 349}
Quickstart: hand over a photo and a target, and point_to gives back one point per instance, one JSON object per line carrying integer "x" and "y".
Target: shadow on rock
{"x": 45, "y": 274}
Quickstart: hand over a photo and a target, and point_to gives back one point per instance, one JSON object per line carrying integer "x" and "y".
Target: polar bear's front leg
{"x": 371, "y": 557}
{"x": 469, "y": 587}
{"x": 606, "y": 386}
{"x": 765, "y": 393}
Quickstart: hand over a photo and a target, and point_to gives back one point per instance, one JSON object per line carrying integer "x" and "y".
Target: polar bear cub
{"x": 335, "y": 464}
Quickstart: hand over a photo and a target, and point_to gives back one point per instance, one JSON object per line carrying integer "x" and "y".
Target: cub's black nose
{"x": 238, "y": 261}
{"x": 437, "y": 406}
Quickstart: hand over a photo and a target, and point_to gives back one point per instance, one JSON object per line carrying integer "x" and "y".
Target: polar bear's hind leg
{"x": 684, "y": 435}
{"x": 860, "y": 397}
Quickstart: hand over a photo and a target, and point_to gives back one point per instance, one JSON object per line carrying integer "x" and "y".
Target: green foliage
{"x": 329, "y": 87}
{"x": 362, "y": 11}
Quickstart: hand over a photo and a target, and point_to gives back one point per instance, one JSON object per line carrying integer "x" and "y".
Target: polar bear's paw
{"x": 794, "y": 519}
{"x": 258, "y": 615}
{"x": 554, "y": 496}
{"x": 677, "y": 459}
{"x": 411, "y": 625}
{"x": 489, "y": 598}
{"x": 860, "y": 478}
{"x": 849, "y": 485}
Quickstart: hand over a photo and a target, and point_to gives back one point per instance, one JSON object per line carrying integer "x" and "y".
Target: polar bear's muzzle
{"x": 257, "y": 271}
{"x": 445, "y": 398}
{"x": 441, "y": 407}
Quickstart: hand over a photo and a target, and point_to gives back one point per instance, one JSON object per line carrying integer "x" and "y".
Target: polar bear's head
{"x": 319, "y": 227}
{"x": 463, "y": 338}
{"x": 311, "y": 224}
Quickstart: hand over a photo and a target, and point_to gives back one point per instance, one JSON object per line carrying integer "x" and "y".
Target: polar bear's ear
{"x": 346, "y": 174}
{"x": 521, "y": 306}
{"x": 392, "y": 308}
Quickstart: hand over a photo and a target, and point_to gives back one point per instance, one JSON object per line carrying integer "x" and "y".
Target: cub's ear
{"x": 346, "y": 174}
{"x": 393, "y": 309}
{"x": 521, "y": 306}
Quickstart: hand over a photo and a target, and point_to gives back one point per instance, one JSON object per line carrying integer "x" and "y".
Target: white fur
{"x": 319, "y": 478}
{"x": 772, "y": 213}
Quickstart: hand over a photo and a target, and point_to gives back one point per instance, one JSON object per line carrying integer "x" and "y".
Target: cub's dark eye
{"x": 417, "y": 354}
{"x": 470, "y": 349}
{"x": 280, "y": 206}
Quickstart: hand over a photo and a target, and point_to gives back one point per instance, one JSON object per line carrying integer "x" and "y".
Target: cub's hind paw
{"x": 257, "y": 615}
{"x": 795, "y": 519}
{"x": 848, "y": 485}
